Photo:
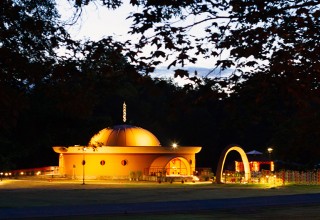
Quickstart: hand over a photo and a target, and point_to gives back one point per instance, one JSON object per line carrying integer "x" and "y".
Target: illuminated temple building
{"x": 125, "y": 151}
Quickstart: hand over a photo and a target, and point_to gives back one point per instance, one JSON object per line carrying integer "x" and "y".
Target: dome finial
{"x": 124, "y": 116}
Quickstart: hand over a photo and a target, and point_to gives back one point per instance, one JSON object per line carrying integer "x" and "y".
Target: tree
{"x": 273, "y": 110}
{"x": 30, "y": 35}
{"x": 246, "y": 36}
{"x": 270, "y": 46}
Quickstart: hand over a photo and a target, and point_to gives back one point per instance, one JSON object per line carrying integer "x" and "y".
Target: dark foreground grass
{"x": 37, "y": 194}
{"x": 289, "y": 212}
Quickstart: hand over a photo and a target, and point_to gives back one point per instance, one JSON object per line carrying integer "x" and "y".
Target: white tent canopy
{"x": 254, "y": 152}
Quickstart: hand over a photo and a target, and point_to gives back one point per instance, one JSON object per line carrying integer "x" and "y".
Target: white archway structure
{"x": 244, "y": 158}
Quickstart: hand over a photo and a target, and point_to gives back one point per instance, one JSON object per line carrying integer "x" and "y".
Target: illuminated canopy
{"x": 124, "y": 135}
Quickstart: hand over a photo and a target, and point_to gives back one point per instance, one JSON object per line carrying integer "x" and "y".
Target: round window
{"x": 102, "y": 162}
{"x": 124, "y": 162}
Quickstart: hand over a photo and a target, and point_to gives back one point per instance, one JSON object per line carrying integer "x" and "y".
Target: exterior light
{"x": 270, "y": 151}
{"x": 174, "y": 145}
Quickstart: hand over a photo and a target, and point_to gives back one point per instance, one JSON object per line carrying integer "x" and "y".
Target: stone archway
{"x": 244, "y": 158}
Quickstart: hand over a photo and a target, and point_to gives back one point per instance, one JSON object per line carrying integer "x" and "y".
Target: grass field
{"x": 17, "y": 194}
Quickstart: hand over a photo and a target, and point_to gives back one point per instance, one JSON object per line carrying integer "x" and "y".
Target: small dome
{"x": 124, "y": 135}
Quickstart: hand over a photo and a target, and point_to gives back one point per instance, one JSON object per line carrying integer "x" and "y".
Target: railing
{"x": 311, "y": 177}
{"x": 156, "y": 171}
{"x": 49, "y": 170}
{"x": 282, "y": 177}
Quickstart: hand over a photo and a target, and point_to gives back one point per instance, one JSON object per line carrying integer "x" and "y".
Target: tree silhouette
{"x": 29, "y": 36}
{"x": 270, "y": 98}
{"x": 246, "y": 36}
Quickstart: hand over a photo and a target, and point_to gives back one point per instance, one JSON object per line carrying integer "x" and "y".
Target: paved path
{"x": 161, "y": 207}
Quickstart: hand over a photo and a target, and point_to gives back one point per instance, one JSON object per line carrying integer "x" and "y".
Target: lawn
{"x": 17, "y": 194}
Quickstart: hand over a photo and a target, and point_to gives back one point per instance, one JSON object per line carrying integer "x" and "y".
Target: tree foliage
{"x": 246, "y": 36}
{"x": 271, "y": 99}
{"x": 29, "y": 35}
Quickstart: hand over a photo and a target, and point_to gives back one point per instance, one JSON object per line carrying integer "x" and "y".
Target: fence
{"x": 282, "y": 177}
{"x": 311, "y": 177}
{"x": 50, "y": 170}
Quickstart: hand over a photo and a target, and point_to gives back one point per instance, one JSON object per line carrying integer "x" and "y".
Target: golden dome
{"x": 124, "y": 135}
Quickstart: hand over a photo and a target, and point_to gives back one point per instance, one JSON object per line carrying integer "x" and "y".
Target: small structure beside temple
{"x": 257, "y": 162}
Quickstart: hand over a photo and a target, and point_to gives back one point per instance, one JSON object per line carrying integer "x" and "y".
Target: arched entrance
{"x": 178, "y": 166}
{"x": 170, "y": 166}
{"x": 244, "y": 158}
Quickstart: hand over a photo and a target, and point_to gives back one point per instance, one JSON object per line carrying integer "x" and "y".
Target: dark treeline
{"x": 260, "y": 113}
{"x": 48, "y": 100}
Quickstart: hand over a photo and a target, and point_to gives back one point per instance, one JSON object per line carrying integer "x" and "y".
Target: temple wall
{"x": 111, "y": 166}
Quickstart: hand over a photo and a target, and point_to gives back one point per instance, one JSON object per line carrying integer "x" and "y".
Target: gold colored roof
{"x": 124, "y": 135}
{"x": 128, "y": 150}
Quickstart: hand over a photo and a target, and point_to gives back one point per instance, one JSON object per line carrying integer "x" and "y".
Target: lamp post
{"x": 271, "y": 162}
{"x": 83, "y": 164}
{"x": 270, "y": 151}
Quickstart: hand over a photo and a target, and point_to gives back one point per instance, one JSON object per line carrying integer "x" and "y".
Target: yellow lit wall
{"x": 115, "y": 165}
{"x": 271, "y": 166}
{"x": 117, "y": 151}
{"x": 106, "y": 166}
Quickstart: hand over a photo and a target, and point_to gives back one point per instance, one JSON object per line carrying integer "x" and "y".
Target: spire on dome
{"x": 124, "y": 116}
